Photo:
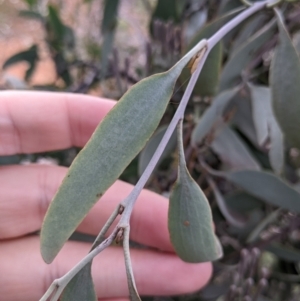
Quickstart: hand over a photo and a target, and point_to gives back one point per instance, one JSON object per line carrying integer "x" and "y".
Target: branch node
{"x": 121, "y": 209}
{"x": 120, "y": 235}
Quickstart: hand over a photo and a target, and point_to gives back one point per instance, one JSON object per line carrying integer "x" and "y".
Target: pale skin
{"x": 32, "y": 122}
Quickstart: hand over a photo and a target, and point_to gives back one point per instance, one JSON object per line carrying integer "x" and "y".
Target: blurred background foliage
{"x": 235, "y": 148}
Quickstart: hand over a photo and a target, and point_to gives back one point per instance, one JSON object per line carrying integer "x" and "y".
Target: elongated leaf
{"x": 252, "y": 25}
{"x": 168, "y": 10}
{"x": 255, "y": 233}
{"x": 293, "y": 278}
{"x": 296, "y": 41}
{"x": 55, "y": 23}
{"x": 109, "y": 15}
{"x": 194, "y": 23}
{"x": 151, "y": 146}
{"x": 208, "y": 80}
{"x": 214, "y": 290}
{"x": 276, "y": 152}
{"x": 233, "y": 218}
{"x": 261, "y": 111}
{"x": 81, "y": 287}
{"x": 60, "y": 35}
{"x": 285, "y": 86}
{"x": 31, "y": 3}
{"x": 213, "y": 115}
{"x": 227, "y": 6}
{"x": 266, "y": 125}
{"x": 242, "y": 119}
{"x": 287, "y": 253}
{"x": 108, "y": 28}
{"x": 267, "y": 187}
{"x": 242, "y": 202}
{"x": 232, "y": 71}
{"x": 232, "y": 150}
{"x": 31, "y": 14}
{"x": 190, "y": 217}
{"x": 114, "y": 144}
{"x": 30, "y": 56}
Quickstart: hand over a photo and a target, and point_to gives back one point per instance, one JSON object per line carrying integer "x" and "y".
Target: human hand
{"x": 32, "y": 122}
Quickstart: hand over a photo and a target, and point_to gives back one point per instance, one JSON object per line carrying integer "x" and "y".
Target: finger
{"x": 42, "y": 121}
{"x": 27, "y": 277}
{"x": 113, "y": 299}
{"x": 26, "y": 192}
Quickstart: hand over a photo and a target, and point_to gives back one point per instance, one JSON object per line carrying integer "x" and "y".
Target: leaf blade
{"x": 266, "y": 125}
{"x": 232, "y": 151}
{"x": 190, "y": 218}
{"x": 278, "y": 192}
{"x": 212, "y": 115}
{"x": 81, "y": 287}
{"x": 148, "y": 151}
{"x": 285, "y": 85}
{"x": 231, "y": 72}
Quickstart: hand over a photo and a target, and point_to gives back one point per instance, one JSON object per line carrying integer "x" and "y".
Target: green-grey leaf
{"x": 168, "y": 10}
{"x": 266, "y": 125}
{"x": 81, "y": 287}
{"x": 296, "y": 41}
{"x": 232, "y": 151}
{"x": 267, "y": 187}
{"x": 212, "y": 115}
{"x": 287, "y": 253}
{"x": 110, "y": 14}
{"x": 285, "y": 86}
{"x": 261, "y": 111}
{"x": 55, "y": 22}
{"x": 31, "y": 14}
{"x": 234, "y": 218}
{"x": 114, "y": 144}
{"x": 252, "y": 25}
{"x": 242, "y": 202}
{"x": 30, "y": 56}
{"x": 233, "y": 69}
{"x": 108, "y": 28}
{"x": 226, "y": 6}
{"x": 190, "y": 218}
{"x": 271, "y": 218}
{"x": 208, "y": 80}
{"x": 293, "y": 278}
{"x": 148, "y": 151}
{"x": 242, "y": 119}
{"x": 276, "y": 152}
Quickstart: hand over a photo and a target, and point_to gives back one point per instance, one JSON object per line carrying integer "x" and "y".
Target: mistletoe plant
{"x": 124, "y": 132}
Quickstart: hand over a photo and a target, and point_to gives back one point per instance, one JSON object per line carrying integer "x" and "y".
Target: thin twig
{"x": 61, "y": 283}
{"x": 130, "y": 276}
{"x": 101, "y": 236}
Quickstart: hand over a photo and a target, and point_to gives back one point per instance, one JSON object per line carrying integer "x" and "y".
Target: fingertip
{"x": 114, "y": 299}
{"x": 167, "y": 274}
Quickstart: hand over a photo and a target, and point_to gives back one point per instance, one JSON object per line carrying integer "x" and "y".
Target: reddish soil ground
{"x": 18, "y": 34}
